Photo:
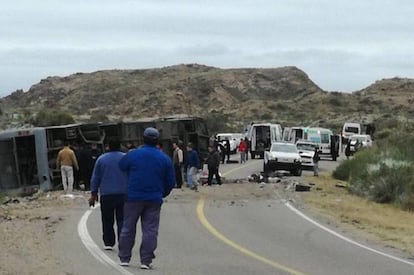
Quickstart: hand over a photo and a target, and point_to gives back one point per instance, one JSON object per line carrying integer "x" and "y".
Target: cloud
{"x": 342, "y": 45}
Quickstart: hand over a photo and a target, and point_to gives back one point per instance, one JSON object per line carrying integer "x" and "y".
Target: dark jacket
{"x": 316, "y": 157}
{"x": 213, "y": 159}
{"x": 192, "y": 159}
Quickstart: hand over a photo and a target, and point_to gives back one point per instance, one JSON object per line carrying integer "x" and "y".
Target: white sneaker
{"x": 124, "y": 264}
{"x": 107, "y": 247}
{"x": 146, "y": 266}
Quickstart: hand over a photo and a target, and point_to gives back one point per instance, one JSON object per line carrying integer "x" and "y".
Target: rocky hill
{"x": 286, "y": 95}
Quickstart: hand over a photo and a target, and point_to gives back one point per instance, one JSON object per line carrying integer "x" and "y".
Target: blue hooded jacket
{"x": 150, "y": 174}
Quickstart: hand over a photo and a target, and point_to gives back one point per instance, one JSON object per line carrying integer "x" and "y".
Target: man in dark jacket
{"x": 150, "y": 179}
{"x": 111, "y": 183}
{"x": 192, "y": 165}
{"x": 316, "y": 159}
{"x": 213, "y": 162}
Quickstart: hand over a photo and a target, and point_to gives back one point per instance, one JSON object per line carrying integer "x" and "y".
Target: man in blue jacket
{"x": 110, "y": 181}
{"x": 150, "y": 179}
{"x": 192, "y": 165}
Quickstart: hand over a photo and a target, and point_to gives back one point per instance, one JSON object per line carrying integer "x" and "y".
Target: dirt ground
{"x": 27, "y": 225}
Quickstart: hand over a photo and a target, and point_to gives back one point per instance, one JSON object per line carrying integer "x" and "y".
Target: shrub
{"x": 343, "y": 170}
{"x": 383, "y": 173}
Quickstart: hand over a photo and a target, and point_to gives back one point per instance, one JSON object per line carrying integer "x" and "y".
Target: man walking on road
{"x": 66, "y": 160}
{"x": 150, "y": 179}
{"x": 110, "y": 181}
{"x": 192, "y": 164}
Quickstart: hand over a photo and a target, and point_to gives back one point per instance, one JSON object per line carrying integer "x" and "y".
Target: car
{"x": 306, "y": 150}
{"x": 358, "y": 141}
{"x": 282, "y": 156}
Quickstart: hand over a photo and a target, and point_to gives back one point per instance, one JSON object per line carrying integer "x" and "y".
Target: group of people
{"x": 131, "y": 186}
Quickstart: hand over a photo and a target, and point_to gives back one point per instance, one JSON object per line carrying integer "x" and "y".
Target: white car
{"x": 359, "y": 141}
{"x": 282, "y": 156}
{"x": 306, "y": 151}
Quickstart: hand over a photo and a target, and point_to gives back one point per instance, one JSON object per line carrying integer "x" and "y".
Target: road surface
{"x": 207, "y": 236}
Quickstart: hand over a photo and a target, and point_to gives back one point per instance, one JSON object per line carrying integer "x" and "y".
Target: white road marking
{"x": 345, "y": 238}
{"x": 93, "y": 247}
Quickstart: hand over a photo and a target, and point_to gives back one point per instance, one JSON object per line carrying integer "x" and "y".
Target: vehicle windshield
{"x": 306, "y": 146}
{"x": 285, "y": 148}
{"x": 352, "y": 130}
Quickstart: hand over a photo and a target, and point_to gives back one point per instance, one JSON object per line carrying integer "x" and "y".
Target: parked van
{"x": 293, "y": 134}
{"x": 261, "y": 136}
{"x": 328, "y": 142}
{"x": 234, "y": 139}
{"x": 349, "y": 129}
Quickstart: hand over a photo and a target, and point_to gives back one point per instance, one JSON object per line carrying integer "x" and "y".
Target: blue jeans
{"x": 192, "y": 176}
{"x": 149, "y": 212}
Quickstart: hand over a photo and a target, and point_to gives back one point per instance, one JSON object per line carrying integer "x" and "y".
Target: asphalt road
{"x": 218, "y": 237}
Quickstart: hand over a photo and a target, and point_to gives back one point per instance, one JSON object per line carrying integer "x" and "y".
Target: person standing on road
{"x": 246, "y": 140}
{"x": 192, "y": 165}
{"x": 316, "y": 159}
{"x": 178, "y": 159}
{"x": 213, "y": 163}
{"x": 242, "y": 150}
{"x": 110, "y": 182}
{"x": 150, "y": 179}
{"x": 228, "y": 149}
{"x": 66, "y": 160}
{"x": 222, "y": 151}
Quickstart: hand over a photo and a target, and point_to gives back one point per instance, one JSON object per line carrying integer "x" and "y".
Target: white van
{"x": 325, "y": 139}
{"x": 349, "y": 129}
{"x": 234, "y": 139}
{"x": 293, "y": 134}
{"x": 261, "y": 136}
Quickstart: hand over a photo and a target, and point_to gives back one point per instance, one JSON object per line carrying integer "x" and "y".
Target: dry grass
{"x": 382, "y": 222}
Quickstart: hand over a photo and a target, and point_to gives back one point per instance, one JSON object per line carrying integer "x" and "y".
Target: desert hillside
{"x": 237, "y": 96}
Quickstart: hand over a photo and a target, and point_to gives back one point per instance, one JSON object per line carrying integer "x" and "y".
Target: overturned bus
{"x": 28, "y": 156}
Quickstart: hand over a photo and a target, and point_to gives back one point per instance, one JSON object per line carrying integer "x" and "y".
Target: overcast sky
{"x": 343, "y": 45}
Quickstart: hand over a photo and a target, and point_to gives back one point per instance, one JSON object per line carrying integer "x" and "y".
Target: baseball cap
{"x": 151, "y": 133}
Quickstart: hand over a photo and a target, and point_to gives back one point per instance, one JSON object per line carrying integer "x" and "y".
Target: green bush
{"x": 343, "y": 171}
{"x": 383, "y": 173}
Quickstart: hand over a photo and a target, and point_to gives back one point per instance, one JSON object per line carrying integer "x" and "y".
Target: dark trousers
{"x": 178, "y": 175}
{"x": 112, "y": 207}
{"x": 213, "y": 171}
{"x": 149, "y": 212}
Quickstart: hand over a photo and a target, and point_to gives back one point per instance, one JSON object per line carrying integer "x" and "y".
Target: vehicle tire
{"x": 298, "y": 172}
